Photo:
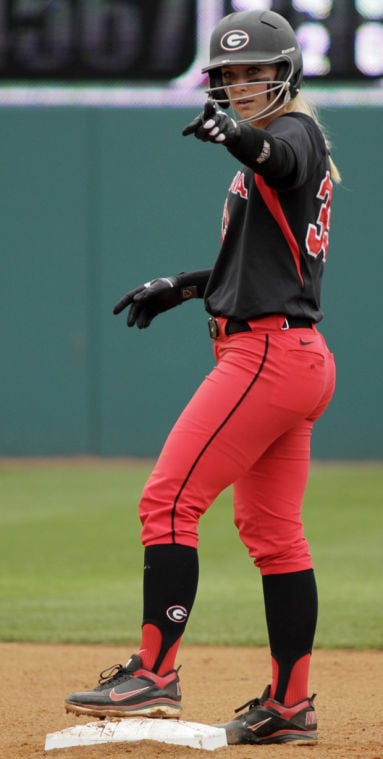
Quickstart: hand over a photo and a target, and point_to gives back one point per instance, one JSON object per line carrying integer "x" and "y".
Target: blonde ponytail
{"x": 302, "y": 105}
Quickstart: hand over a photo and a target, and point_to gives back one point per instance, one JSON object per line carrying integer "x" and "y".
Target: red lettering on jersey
{"x": 237, "y": 186}
{"x": 317, "y": 234}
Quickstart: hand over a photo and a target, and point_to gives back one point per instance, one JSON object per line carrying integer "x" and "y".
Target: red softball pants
{"x": 248, "y": 425}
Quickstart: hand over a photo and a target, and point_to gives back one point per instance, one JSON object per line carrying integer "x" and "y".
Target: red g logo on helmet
{"x": 235, "y": 40}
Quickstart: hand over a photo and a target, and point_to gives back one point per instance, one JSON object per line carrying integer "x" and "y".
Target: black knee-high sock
{"x": 170, "y": 586}
{"x": 291, "y": 605}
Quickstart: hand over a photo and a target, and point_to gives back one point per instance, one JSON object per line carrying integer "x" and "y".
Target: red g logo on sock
{"x": 177, "y": 613}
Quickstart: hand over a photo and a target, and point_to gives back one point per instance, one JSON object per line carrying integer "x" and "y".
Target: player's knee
{"x": 292, "y": 557}
{"x": 280, "y": 551}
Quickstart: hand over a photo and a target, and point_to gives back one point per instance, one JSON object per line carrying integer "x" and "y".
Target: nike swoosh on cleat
{"x": 255, "y": 727}
{"x": 121, "y": 696}
{"x": 305, "y": 342}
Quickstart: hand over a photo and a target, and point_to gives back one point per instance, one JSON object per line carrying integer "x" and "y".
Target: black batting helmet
{"x": 255, "y": 37}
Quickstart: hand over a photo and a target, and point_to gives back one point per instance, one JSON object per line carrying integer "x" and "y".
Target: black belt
{"x": 237, "y": 325}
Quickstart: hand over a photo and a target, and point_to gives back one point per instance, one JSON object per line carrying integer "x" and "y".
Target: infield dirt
{"x": 36, "y": 678}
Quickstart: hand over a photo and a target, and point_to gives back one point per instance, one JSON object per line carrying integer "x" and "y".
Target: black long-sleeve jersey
{"x": 275, "y": 224}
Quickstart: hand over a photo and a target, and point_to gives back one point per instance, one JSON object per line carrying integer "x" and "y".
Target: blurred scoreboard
{"x": 139, "y": 42}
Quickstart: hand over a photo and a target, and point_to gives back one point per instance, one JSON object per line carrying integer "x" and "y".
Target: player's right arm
{"x": 257, "y": 148}
{"x": 159, "y": 295}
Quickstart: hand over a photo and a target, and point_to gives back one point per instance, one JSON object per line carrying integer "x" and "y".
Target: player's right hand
{"x": 213, "y": 125}
{"x": 149, "y": 300}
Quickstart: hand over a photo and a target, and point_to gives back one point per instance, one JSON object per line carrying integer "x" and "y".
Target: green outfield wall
{"x": 95, "y": 201}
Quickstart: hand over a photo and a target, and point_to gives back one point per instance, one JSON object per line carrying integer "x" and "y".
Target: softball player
{"x": 249, "y": 424}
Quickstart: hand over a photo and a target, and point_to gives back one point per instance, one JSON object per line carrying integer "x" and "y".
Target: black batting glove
{"x": 213, "y": 125}
{"x": 151, "y": 299}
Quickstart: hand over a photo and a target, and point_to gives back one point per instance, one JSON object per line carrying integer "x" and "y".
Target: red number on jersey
{"x": 317, "y": 234}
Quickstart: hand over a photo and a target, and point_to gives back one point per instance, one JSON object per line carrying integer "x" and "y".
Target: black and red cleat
{"x": 129, "y": 691}
{"x": 268, "y": 721}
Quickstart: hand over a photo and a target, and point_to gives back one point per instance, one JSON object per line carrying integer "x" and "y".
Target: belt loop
{"x": 285, "y": 324}
{"x": 213, "y": 328}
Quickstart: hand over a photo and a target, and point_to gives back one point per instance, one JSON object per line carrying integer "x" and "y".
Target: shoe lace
{"x": 112, "y": 674}
{"x": 251, "y": 704}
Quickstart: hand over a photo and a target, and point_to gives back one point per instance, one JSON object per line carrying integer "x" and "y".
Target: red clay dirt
{"x": 36, "y": 678}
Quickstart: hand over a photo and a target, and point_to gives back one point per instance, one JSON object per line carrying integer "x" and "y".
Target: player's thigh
{"x": 223, "y": 429}
{"x": 216, "y": 436}
{"x": 268, "y": 503}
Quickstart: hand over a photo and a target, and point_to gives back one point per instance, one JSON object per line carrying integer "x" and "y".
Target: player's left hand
{"x": 213, "y": 125}
{"x": 151, "y": 299}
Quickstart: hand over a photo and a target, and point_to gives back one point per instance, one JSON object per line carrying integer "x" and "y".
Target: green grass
{"x": 71, "y": 559}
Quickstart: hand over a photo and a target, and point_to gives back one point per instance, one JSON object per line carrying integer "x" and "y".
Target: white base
{"x": 173, "y": 731}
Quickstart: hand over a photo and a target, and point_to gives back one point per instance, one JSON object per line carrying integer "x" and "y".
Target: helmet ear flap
{"x": 295, "y": 83}
{"x": 282, "y": 74}
{"x": 282, "y": 71}
{"x": 215, "y": 92}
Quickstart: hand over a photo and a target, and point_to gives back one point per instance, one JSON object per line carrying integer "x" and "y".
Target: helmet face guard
{"x": 277, "y": 92}
{"x": 255, "y": 38}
